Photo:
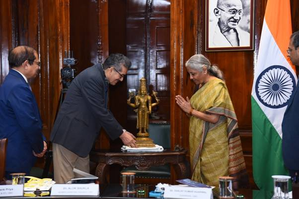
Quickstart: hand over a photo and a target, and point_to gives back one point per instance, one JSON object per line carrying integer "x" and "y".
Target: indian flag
{"x": 273, "y": 84}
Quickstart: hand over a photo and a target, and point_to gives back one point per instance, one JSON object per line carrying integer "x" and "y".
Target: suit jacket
{"x": 290, "y": 133}
{"x": 20, "y": 123}
{"x": 84, "y": 112}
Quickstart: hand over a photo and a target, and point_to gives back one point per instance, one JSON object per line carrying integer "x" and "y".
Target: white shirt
{"x": 21, "y": 74}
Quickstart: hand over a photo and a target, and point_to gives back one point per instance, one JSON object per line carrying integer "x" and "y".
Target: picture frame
{"x": 229, "y": 25}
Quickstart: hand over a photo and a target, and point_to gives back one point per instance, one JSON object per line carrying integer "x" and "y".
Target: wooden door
{"x": 148, "y": 47}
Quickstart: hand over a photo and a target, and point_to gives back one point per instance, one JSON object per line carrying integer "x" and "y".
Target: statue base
{"x": 144, "y": 142}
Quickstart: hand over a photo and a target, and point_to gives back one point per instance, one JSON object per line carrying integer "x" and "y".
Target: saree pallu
{"x": 215, "y": 149}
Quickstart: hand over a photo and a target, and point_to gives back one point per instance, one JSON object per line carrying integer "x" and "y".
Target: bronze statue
{"x": 143, "y": 104}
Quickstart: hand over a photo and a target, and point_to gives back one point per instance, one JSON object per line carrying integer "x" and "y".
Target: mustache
{"x": 234, "y": 20}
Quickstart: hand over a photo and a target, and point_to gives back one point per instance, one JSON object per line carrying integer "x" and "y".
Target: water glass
{"x": 281, "y": 186}
{"x": 128, "y": 182}
{"x": 226, "y": 187}
{"x": 18, "y": 178}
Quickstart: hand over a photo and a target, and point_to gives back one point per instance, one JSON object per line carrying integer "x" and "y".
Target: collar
{"x": 21, "y": 75}
{"x": 103, "y": 73}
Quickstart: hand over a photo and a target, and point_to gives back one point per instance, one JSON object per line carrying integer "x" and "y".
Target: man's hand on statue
{"x": 128, "y": 139}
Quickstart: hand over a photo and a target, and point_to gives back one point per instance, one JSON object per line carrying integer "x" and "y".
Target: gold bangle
{"x": 191, "y": 110}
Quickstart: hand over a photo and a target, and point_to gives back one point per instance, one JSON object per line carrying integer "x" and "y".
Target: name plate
{"x": 184, "y": 192}
{"x": 11, "y": 190}
{"x": 75, "y": 189}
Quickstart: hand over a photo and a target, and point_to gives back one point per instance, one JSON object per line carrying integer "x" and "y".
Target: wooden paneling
{"x": 5, "y": 37}
{"x": 148, "y": 46}
{"x": 158, "y": 70}
{"x": 136, "y": 50}
{"x": 89, "y": 39}
{"x": 246, "y": 139}
{"x": 42, "y": 25}
{"x": 84, "y": 31}
{"x": 94, "y": 28}
{"x": 183, "y": 44}
{"x": 35, "y": 23}
{"x": 238, "y": 73}
{"x": 295, "y": 14}
{"x": 53, "y": 41}
{"x": 117, "y": 44}
{"x": 187, "y": 38}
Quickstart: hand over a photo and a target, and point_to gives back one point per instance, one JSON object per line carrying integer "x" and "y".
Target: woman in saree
{"x": 215, "y": 148}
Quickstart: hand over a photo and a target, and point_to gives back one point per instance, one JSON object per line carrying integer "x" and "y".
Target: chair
{"x": 160, "y": 134}
{"x": 3, "y": 145}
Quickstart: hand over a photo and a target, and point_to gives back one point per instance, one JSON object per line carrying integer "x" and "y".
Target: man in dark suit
{"x": 290, "y": 123}
{"x": 82, "y": 115}
{"x": 20, "y": 120}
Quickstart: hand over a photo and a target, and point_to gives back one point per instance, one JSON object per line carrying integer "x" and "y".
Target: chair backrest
{"x": 160, "y": 134}
{"x": 3, "y": 145}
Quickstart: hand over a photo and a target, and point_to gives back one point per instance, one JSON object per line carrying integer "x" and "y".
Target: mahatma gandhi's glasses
{"x": 232, "y": 11}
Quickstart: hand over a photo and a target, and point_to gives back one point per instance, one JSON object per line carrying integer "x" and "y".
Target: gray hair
{"x": 117, "y": 60}
{"x": 198, "y": 61}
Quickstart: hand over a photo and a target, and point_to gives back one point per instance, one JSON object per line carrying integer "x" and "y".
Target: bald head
{"x": 229, "y": 3}
{"x": 229, "y": 14}
{"x": 20, "y": 54}
{"x": 25, "y": 60}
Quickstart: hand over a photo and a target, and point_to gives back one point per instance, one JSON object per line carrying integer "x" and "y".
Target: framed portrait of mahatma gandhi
{"x": 229, "y": 25}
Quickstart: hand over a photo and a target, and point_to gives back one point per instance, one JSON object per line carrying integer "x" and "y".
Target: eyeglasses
{"x": 289, "y": 50}
{"x": 121, "y": 75}
{"x": 232, "y": 11}
{"x": 38, "y": 63}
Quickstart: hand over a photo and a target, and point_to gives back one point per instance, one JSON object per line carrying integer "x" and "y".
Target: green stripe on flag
{"x": 267, "y": 152}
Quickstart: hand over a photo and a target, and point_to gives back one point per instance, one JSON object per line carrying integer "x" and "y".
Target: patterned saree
{"x": 215, "y": 149}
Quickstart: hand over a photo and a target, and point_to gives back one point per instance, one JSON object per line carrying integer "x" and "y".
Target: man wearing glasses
{"x": 227, "y": 33}
{"x": 290, "y": 123}
{"x": 82, "y": 115}
{"x": 20, "y": 120}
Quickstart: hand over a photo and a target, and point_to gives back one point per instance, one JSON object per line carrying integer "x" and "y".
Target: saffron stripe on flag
{"x": 279, "y": 24}
{"x": 274, "y": 81}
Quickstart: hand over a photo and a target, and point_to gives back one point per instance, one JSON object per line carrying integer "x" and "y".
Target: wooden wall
{"x": 55, "y": 26}
{"x": 43, "y": 25}
{"x": 237, "y": 68}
